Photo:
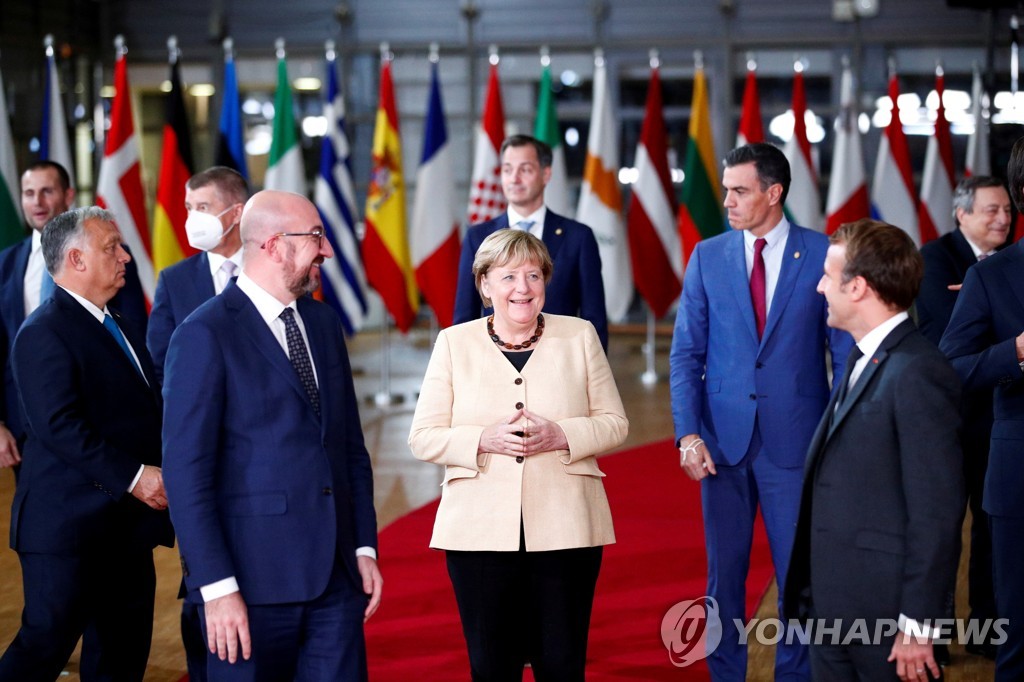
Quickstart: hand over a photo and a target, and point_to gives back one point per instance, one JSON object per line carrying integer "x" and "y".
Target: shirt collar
{"x": 974, "y": 247}
{"x": 37, "y": 240}
{"x": 776, "y": 235}
{"x": 537, "y": 216}
{"x": 89, "y": 305}
{"x": 217, "y": 260}
{"x": 267, "y": 306}
{"x": 870, "y": 342}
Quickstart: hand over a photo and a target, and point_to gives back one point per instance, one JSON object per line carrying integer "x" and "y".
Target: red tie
{"x": 757, "y": 287}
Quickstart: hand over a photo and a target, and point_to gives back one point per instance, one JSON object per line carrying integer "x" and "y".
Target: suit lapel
{"x": 202, "y": 278}
{"x": 962, "y": 252}
{"x": 138, "y": 345}
{"x": 1009, "y": 267}
{"x": 14, "y": 308}
{"x": 736, "y": 271}
{"x": 317, "y": 337}
{"x": 553, "y": 234}
{"x": 792, "y": 263}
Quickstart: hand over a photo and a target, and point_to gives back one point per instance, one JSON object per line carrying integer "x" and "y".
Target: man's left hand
{"x": 914, "y": 658}
{"x": 373, "y": 583}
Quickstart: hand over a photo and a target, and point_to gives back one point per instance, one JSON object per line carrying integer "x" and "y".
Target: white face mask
{"x": 204, "y": 229}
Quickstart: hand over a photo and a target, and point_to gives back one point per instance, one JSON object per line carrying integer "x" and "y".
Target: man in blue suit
{"x": 985, "y": 343}
{"x": 45, "y": 193}
{"x": 749, "y": 383}
{"x": 267, "y": 474}
{"x": 89, "y": 505}
{"x": 576, "y": 287}
{"x": 214, "y": 200}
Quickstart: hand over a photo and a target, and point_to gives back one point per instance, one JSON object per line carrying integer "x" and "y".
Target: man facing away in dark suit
{"x": 268, "y": 476}
{"x": 981, "y": 209}
{"x": 576, "y": 287}
{"x": 749, "y": 382}
{"x": 46, "y": 192}
{"x": 985, "y": 343}
{"x": 877, "y": 540}
{"x": 89, "y": 505}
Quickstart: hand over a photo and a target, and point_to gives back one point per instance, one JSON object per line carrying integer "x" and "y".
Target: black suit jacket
{"x": 877, "y": 536}
{"x": 92, "y": 421}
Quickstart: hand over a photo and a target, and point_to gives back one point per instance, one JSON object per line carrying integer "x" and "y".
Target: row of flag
{"x": 648, "y": 246}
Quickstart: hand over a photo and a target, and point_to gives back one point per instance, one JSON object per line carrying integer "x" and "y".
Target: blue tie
{"x": 46, "y": 286}
{"x": 525, "y": 225}
{"x": 115, "y": 331}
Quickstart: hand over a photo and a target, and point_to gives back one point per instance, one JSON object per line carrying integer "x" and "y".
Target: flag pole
{"x": 650, "y": 375}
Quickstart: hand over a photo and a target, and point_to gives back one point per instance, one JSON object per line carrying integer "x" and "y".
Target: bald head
{"x": 272, "y": 211}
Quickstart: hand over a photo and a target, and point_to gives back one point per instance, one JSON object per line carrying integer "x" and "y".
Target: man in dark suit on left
{"x": 46, "y": 192}
{"x": 90, "y": 503}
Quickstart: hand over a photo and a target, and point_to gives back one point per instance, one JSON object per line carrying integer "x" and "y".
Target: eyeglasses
{"x": 319, "y": 234}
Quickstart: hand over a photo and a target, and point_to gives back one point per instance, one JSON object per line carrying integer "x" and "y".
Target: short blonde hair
{"x": 509, "y": 246}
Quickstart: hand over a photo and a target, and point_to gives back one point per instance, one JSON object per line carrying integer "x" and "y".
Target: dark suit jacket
{"x": 130, "y": 302}
{"x": 181, "y": 288}
{"x": 877, "y": 536}
{"x": 576, "y": 287}
{"x": 260, "y": 488}
{"x": 980, "y": 343}
{"x": 91, "y": 421}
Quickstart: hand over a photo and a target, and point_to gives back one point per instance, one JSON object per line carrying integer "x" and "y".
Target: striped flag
{"x": 653, "y": 240}
{"x": 937, "y": 180}
{"x": 545, "y": 129}
{"x": 230, "y": 140}
{"x": 386, "y": 244}
{"x": 343, "y": 281}
{"x": 11, "y": 226}
{"x": 848, "y": 189}
{"x": 435, "y": 226}
{"x": 486, "y": 199}
{"x": 600, "y": 205}
{"x": 804, "y": 201}
{"x": 700, "y": 212}
{"x": 751, "y": 128}
{"x": 978, "y": 154}
{"x": 892, "y": 189}
{"x": 119, "y": 187}
{"x": 53, "y": 139}
{"x": 285, "y": 170}
{"x": 170, "y": 243}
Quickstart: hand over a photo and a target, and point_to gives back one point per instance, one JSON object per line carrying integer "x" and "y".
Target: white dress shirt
{"x": 538, "y": 216}
{"x": 774, "y": 248}
{"x": 34, "y": 274}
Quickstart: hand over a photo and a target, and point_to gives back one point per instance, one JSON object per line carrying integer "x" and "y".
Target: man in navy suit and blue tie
{"x": 267, "y": 473}
{"x": 214, "y": 199}
{"x": 576, "y": 287}
{"x": 749, "y": 382}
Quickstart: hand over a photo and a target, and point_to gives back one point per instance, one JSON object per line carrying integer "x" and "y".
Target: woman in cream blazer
{"x": 522, "y": 529}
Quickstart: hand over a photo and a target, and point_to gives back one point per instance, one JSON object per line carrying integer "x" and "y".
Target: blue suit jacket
{"x": 260, "y": 487}
{"x": 980, "y": 343}
{"x": 181, "y": 288}
{"x": 576, "y": 287}
{"x": 723, "y": 378}
{"x": 129, "y": 301}
{"x": 91, "y": 422}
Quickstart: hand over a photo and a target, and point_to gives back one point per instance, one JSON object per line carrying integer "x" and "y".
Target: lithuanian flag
{"x": 700, "y": 211}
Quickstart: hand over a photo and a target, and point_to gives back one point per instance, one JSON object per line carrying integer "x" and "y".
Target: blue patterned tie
{"x": 525, "y": 225}
{"x": 299, "y": 356}
{"x": 115, "y": 331}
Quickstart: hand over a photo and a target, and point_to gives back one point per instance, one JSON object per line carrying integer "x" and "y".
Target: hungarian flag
{"x": 386, "y": 244}
{"x": 653, "y": 239}
{"x": 545, "y": 129}
{"x": 170, "y": 244}
{"x": 700, "y": 212}
{"x": 11, "y": 226}
{"x": 892, "y": 189}
{"x": 600, "y": 205}
{"x": 486, "y": 199}
{"x": 230, "y": 139}
{"x": 53, "y": 139}
{"x": 119, "y": 187}
{"x": 804, "y": 201}
{"x": 978, "y": 159}
{"x": 435, "y": 227}
{"x": 848, "y": 190}
{"x": 751, "y": 128}
{"x": 285, "y": 170}
{"x": 937, "y": 181}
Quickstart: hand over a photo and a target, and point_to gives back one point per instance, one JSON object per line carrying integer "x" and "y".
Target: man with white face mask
{"x": 214, "y": 200}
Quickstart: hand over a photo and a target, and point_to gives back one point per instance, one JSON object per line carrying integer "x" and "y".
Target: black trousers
{"x": 519, "y": 607}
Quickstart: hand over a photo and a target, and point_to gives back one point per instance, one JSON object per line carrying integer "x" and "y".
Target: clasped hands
{"x": 510, "y": 438}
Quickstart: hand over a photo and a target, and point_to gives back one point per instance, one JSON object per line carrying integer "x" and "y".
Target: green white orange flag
{"x": 700, "y": 211}
{"x": 11, "y": 229}
{"x": 386, "y": 244}
{"x": 285, "y": 170}
{"x": 545, "y": 129}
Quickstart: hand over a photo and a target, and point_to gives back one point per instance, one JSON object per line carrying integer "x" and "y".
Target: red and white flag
{"x": 119, "y": 187}
{"x": 938, "y": 179}
{"x": 751, "y": 128}
{"x": 893, "y": 198}
{"x": 848, "y": 190}
{"x": 978, "y": 159}
{"x": 804, "y": 200}
{"x": 655, "y": 249}
{"x": 486, "y": 199}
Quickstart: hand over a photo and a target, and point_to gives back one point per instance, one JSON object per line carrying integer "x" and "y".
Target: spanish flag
{"x": 386, "y": 244}
{"x": 700, "y": 211}
{"x": 170, "y": 244}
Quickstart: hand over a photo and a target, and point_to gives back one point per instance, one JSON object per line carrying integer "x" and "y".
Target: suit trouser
{"x": 110, "y": 589}
{"x": 526, "y": 606}
{"x": 855, "y": 662}
{"x": 1008, "y": 569}
{"x": 729, "y": 501}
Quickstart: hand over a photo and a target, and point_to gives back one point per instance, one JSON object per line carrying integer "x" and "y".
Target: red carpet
{"x": 658, "y": 560}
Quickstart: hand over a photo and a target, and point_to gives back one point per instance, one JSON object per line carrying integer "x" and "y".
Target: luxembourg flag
{"x": 892, "y": 190}
{"x": 848, "y": 191}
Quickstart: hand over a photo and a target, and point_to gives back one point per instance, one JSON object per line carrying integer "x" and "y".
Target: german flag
{"x": 170, "y": 244}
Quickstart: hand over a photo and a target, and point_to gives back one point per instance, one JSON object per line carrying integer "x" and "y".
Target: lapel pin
{"x": 796, "y": 254}
{"x": 558, "y": 231}
{"x": 874, "y": 360}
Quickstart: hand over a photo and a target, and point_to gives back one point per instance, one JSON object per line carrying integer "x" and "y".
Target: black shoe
{"x": 941, "y": 653}
{"x": 986, "y": 649}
